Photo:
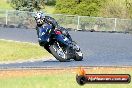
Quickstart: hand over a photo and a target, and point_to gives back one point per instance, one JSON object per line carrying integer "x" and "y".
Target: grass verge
{"x": 56, "y": 78}
{"x": 11, "y": 51}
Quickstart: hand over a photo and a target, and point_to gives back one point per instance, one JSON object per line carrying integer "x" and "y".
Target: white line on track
{"x": 19, "y": 41}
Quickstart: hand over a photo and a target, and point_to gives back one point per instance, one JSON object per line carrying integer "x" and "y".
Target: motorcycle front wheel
{"x": 59, "y": 53}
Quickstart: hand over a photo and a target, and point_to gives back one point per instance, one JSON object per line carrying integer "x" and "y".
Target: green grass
{"x": 10, "y": 51}
{"x": 66, "y": 80}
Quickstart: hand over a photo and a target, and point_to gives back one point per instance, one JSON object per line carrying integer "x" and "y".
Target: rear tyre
{"x": 78, "y": 56}
{"x": 78, "y": 52}
{"x": 59, "y": 53}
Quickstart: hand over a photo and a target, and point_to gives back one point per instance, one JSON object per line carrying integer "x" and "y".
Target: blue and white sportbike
{"x": 59, "y": 45}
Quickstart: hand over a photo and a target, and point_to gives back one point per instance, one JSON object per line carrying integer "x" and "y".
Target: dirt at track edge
{"x": 6, "y": 73}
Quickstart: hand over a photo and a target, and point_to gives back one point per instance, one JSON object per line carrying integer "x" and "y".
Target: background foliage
{"x": 103, "y": 8}
{"x": 27, "y": 5}
{"x": 80, "y": 7}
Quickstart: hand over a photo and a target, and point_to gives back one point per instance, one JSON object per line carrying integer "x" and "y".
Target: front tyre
{"x": 58, "y": 53}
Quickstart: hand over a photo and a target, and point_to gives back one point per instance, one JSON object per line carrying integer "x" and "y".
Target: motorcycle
{"x": 61, "y": 47}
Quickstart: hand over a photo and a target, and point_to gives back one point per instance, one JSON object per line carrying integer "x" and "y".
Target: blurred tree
{"x": 114, "y": 9}
{"x": 80, "y": 7}
{"x": 27, "y": 5}
{"x": 117, "y": 9}
{"x": 129, "y": 7}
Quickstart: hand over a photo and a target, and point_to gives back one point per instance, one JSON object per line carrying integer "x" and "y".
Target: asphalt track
{"x": 99, "y": 49}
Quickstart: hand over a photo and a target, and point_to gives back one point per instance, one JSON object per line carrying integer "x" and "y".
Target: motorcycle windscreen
{"x": 44, "y": 33}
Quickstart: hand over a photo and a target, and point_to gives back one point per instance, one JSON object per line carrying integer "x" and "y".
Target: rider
{"x": 42, "y": 19}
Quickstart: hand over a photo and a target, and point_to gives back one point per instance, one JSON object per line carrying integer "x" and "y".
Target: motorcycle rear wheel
{"x": 78, "y": 56}
{"x": 78, "y": 52}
